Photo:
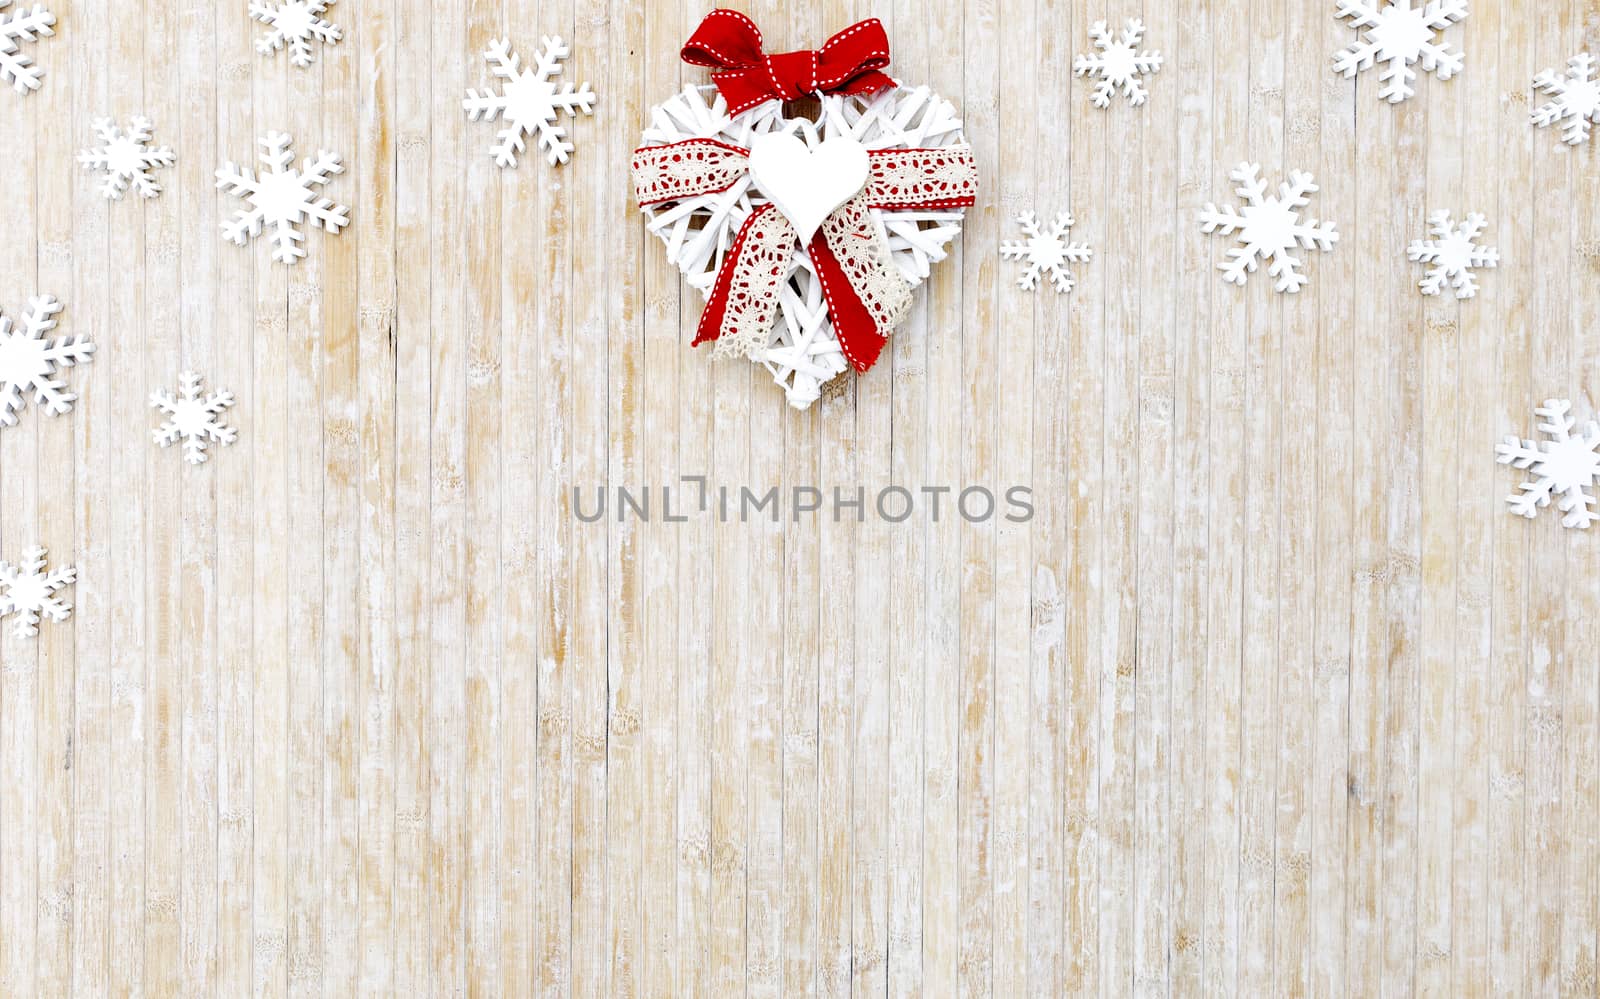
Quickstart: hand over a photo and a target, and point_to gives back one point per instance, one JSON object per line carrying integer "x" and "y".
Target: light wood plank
{"x": 91, "y": 735}
{"x": 660, "y": 548}
{"x": 941, "y": 872}
{"x": 57, "y": 531}
{"x": 376, "y": 661}
{"x": 1508, "y": 759}
{"x": 1014, "y": 182}
{"x": 979, "y": 469}
{"x": 484, "y": 432}
{"x": 1190, "y": 64}
{"x": 191, "y": 30}
{"x": 1051, "y": 190}
{"x": 20, "y": 530}
{"x": 1155, "y": 577}
{"x": 1342, "y": 310}
{"x": 1081, "y": 746}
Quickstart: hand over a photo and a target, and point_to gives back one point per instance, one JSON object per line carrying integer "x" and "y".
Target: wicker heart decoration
{"x": 805, "y": 236}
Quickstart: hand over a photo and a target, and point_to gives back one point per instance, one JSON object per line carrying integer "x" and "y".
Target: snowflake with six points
{"x": 1565, "y": 465}
{"x": 530, "y": 101}
{"x": 295, "y": 23}
{"x": 126, "y": 157}
{"x": 1269, "y": 227}
{"x": 1575, "y": 99}
{"x": 1397, "y": 35}
{"x": 28, "y": 592}
{"x": 1046, "y": 252}
{"x": 1119, "y": 63}
{"x": 26, "y": 25}
{"x": 282, "y": 197}
{"x": 193, "y": 418}
{"x": 28, "y": 361}
{"x": 1453, "y": 254}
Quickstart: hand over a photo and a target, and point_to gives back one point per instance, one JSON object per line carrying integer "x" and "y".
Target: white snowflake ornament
{"x": 530, "y": 102}
{"x": 295, "y": 23}
{"x": 1574, "y": 99}
{"x": 1453, "y": 254}
{"x": 126, "y": 158}
{"x": 193, "y": 418}
{"x": 1046, "y": 252}
{"x": 28, "y": 361}
{"x": 29, "y": 592}
{"x": 1399, "y": 34}
{"x": 1119, "y": 63}
{"x": 282, "y": 197}
{"x": 1269, "y": 228}
{"x": 28, "y": 24}
{"x": 1567, "y": 466}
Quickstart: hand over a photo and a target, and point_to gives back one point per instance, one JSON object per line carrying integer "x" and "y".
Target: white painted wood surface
{"x": 1270, "y": 698}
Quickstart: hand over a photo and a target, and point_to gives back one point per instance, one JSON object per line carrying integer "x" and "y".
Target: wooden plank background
{"x": 1271, "y": 697}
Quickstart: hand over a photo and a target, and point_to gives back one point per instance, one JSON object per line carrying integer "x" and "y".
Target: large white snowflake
{"x": 1567, "y": 466}
{"x": 28, "y": 361}
{"x": 294, "y": 23}
{"x": 282, "y": 197}
{"x": 126, "y": 157}
{"x": 1046, "y": 252}
{"x": 26, "y": 25}
{"x": 1574, "y": 98}
{"x": 1397, "y": 35}
{"x": 193, "y": 418}
{"x": 28, "y": 592}
{"x": 530, "y": 101}
{"x": 1119, "y": 63}
{"x": 1269, "y": 227}
{"x": 1453, "y": 254}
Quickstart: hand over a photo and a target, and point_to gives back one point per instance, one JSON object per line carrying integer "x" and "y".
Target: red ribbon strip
{"x": 851, "y": 62}
{"x": 753, "y": 285}
{"x": 861, "y": 337}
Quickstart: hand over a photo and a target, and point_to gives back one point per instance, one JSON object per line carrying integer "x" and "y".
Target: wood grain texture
{"x": 1270, "y": 697}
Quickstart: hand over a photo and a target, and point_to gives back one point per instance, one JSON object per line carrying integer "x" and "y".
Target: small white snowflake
{"x": 1269, "y": 227}
{"x": 530, "y": 102}
{"x": 26, "y": 25}
{"x": 282, "y": 197}
{"x": 193, "y": 418}
{"x": 1453, "y": 254}
{"x": 1046, "y": 252}
{"x": 28, "y": 592}
{"x": 1119, "y": 63}
{"x": 28, "y": 361}
{"x": 1575, "y": 99}
{"x": 295, "y": 22}
{"x": 126, "y": 157}
{"x": 1397, "y": 35}
{"x": 1565, "y": 466}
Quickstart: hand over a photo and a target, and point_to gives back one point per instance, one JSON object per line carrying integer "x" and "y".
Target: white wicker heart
{"x": 802, "y": 353}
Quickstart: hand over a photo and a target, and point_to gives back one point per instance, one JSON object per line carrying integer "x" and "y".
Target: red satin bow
{"x": 848, "y": 63}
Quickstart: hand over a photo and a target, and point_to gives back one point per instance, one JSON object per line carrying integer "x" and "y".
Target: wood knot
{"x": 727, "y": 857}
{"x": 625, "y": 722}
{"x": 552, "y": 723}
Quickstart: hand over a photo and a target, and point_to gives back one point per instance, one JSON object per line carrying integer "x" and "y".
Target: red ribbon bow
{"x": 848, "y": 63}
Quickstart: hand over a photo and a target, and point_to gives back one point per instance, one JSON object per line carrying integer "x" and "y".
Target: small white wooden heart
{"x": 807, "y": 185}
